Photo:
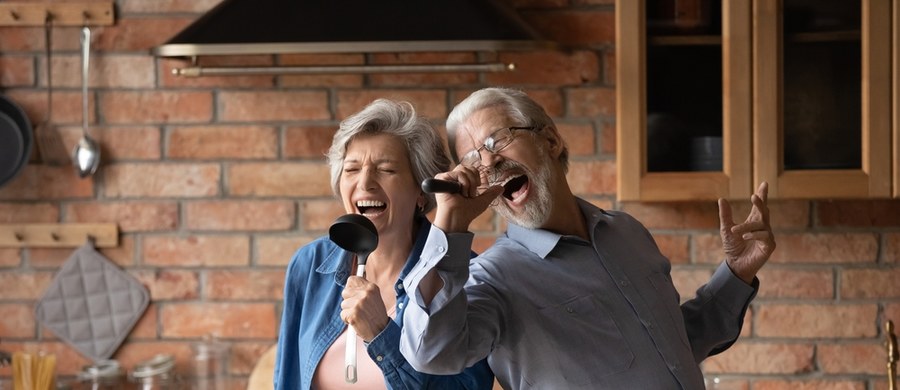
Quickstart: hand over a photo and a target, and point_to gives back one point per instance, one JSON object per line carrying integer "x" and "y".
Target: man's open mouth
{"x": 514, "y": 185}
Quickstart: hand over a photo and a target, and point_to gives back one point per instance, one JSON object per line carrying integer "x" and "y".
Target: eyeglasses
{"x": 494, "y": 143}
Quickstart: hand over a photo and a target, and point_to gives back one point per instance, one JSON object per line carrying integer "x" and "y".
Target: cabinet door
{"x": 895, "y": 166}
{"x": 683, "y": 99}
{"x": 822, "y": 111}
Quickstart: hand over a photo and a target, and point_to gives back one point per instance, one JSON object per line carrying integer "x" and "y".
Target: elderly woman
{"x": 378, "y": 158}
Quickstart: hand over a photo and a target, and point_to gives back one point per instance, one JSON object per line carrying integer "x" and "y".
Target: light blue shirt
{"x": 311, "y": 322}
{"x": 559, "y": 312}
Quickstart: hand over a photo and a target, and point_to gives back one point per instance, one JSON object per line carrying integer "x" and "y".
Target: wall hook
{"x": 54, "y": 236}
{"x": 14, "y": 15}
{"x": 19, "y": 236}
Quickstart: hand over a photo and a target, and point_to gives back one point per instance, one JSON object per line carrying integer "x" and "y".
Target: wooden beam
{"x": 58, "y": 235}
{"x": 61, "y": 14}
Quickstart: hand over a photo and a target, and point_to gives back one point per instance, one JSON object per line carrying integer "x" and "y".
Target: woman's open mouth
{"x": 370, "y": 208}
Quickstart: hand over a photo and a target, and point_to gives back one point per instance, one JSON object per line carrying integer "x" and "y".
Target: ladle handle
{"x": 85, "y": 62}
{"x": 350, "y": 353}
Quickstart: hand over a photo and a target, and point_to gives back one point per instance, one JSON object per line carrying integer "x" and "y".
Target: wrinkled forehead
{"x": 471, "y": 133}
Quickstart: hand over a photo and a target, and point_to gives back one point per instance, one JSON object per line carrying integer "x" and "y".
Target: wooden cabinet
{"x": 715, "y": 96}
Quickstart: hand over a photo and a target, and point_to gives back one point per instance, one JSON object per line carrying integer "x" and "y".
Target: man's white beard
{"x": 537, "y": 208}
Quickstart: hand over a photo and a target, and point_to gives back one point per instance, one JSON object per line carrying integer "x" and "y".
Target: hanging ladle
{"x": 354, "y": 233}
{"x": 86, "y": 154}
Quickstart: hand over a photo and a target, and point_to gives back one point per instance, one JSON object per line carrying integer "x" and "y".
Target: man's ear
{"x": 554, "y": 141}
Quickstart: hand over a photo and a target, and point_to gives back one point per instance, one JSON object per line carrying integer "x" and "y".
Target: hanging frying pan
{"x": 15, "y": 140}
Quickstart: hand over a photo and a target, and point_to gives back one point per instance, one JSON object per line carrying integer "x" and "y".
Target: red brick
{"x": 161, "y": 180}
{"x": 170, "y": 80}
{"x": 68, "y": 361}
{"x": 714, "y": 382}
{"x": 166, "y": 6}
{"x": 129, "y": 216}
{"x": 607, "y": 138}
{"x": 891, "y": 248}
{"x": 45, "y": 182}
{"x": 859, "y": 213}
{"x": 14, "y": 38}
{"x": 822, "y": 384}
{"x": 549, "y": 98}
{"x": 687, "y": 281}
{"x": 783, "y": 214}
{"x": 816, "y": 321}
{"x": 423, "y": 79}
{"x": 226, "y": 320}
{"x": 579, "y": 138}
{"x": 609, "y": 67}
{"x": 762, "y": 358}
{"x": 591, "y": 102}
{"x": 244, "y": 356}
{"x": 19, "y": 284}
{"x": 675, "y": 247}
{"x": 826, "y": 248}
{"x": 223, "y": 142}
{"x": 592, "y": 177}
{"x": 254, "y": 106}
{"x": 66, "y": 106}
{"x": 795, "y": 283}
{"x": 278, "y": 179}
{"x": 28, "y": 212}
{"x": 145, "y": 328}
{"x": 322, "y": 80}
{"x": 105, "y": 71}
{"x": 547, "y": 68}
{"x": 140, "y": 107}
{"x": 135, "y": 352}
{"x": 892, "y": 312}
{"x": 120, "y": 143}
{"x": 10, "y": 257}
{"x": 278, "y": 250}
{"x": 870, "y": 283}
{"x": 707, "y": 248}
{"x": 430, "y": 104}
{"x": 675, "y": 215}
{"x": 317, "y": 215}
{"x": 17, "y": 320}
{"x": 196, "y": 250}
{"x": 170, "y": 284}
{"x": 244, "y": 285}
{"x": 132, "y": 34}
{"x": 17, "y": 71}
{"x": 308, "y": 142}
{"x": 851, "y": 358}
{"x": 240, "y": 215}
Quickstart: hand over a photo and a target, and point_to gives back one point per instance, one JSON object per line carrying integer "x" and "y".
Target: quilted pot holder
{"x": 92, "y": 304}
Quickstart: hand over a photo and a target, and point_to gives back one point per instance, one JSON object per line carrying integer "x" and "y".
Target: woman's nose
{"x": 366, "y": 180}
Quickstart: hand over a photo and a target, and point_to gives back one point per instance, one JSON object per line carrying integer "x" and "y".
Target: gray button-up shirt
{"x": 558, "y": 312}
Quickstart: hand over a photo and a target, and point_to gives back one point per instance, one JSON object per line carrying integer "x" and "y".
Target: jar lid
{"x": 210, "y": 348}
{"x": 157, "y": 365}
{"x": 102, "y": 369}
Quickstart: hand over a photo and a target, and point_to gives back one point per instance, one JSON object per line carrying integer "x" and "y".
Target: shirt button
{"x": 623, "y": 283}
{"x": 440, "y": 249}
{"x": 569, "y": 309}
{"x": 400, "y": 305}
{"x": 399, "y": 286}
{"x": 379, "y": 358}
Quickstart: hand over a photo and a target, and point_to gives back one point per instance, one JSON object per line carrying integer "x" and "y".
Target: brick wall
{"x": 214, "y": 182}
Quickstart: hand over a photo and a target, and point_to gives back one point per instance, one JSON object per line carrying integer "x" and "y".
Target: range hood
{"x": 247, "y": 27}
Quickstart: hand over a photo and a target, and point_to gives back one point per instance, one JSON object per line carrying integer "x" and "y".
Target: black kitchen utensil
{"x": 15, "y": 140}
{"x": 354, "y": 233}
{"x": 434, "y": 186}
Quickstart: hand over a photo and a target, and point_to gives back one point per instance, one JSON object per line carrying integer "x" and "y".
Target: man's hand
{"x": 456, "y": 211}
{"x": 749, "y": 244}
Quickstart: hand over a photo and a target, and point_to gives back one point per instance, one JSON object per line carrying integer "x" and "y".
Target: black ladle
{"x": 354, "y": 233}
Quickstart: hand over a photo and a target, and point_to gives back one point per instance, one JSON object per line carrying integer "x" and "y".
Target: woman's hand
{"x": 363, "y": 308}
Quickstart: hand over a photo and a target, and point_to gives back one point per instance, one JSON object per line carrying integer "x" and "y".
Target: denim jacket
{"x": 311, "y": 322}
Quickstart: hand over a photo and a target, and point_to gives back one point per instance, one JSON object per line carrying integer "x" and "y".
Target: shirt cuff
{"x": 383, "y": 349}
{"x": 731, "y": 290}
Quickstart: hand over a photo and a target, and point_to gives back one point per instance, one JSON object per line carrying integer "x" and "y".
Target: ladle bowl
{"x": 354, "y": 233}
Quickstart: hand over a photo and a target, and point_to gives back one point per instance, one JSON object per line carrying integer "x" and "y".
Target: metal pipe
{"x": 197, "y": 71}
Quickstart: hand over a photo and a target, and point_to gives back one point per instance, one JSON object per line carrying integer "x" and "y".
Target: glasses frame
{"x": 473, "y": 157}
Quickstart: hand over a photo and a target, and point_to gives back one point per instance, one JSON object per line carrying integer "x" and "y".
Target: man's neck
{"x": 566, "y": 217}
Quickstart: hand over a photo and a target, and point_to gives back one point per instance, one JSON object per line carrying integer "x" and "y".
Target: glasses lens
{"x": 471, "y": 159}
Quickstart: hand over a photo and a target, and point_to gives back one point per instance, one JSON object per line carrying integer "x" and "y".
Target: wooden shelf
{"x": 61, "y": 14}
{"x": 685, "y": 40}
{"x": 58, "y": 235}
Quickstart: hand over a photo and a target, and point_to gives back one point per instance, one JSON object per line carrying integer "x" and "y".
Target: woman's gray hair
{"x": 517, "y": 105}
{"x": 427, "y": 155}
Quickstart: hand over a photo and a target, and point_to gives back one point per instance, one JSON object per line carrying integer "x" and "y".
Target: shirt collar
{"x": 542, "y": 242}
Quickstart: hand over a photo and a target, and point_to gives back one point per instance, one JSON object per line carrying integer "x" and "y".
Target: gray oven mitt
{"x": 92, "y": 304}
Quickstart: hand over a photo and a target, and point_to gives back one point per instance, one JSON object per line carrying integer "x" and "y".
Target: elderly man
{"x": 573, "y": 296}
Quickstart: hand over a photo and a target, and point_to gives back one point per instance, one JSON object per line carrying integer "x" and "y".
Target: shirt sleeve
{"x": 714, "y": 318}
{"x": 438, "y": 338}
{"x": 399, "y": 374}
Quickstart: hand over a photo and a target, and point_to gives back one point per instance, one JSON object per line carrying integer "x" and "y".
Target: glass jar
{"x": 157, "y": 373}
{"x": 209, "y": 367}
{"x": 102, "y": 375}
